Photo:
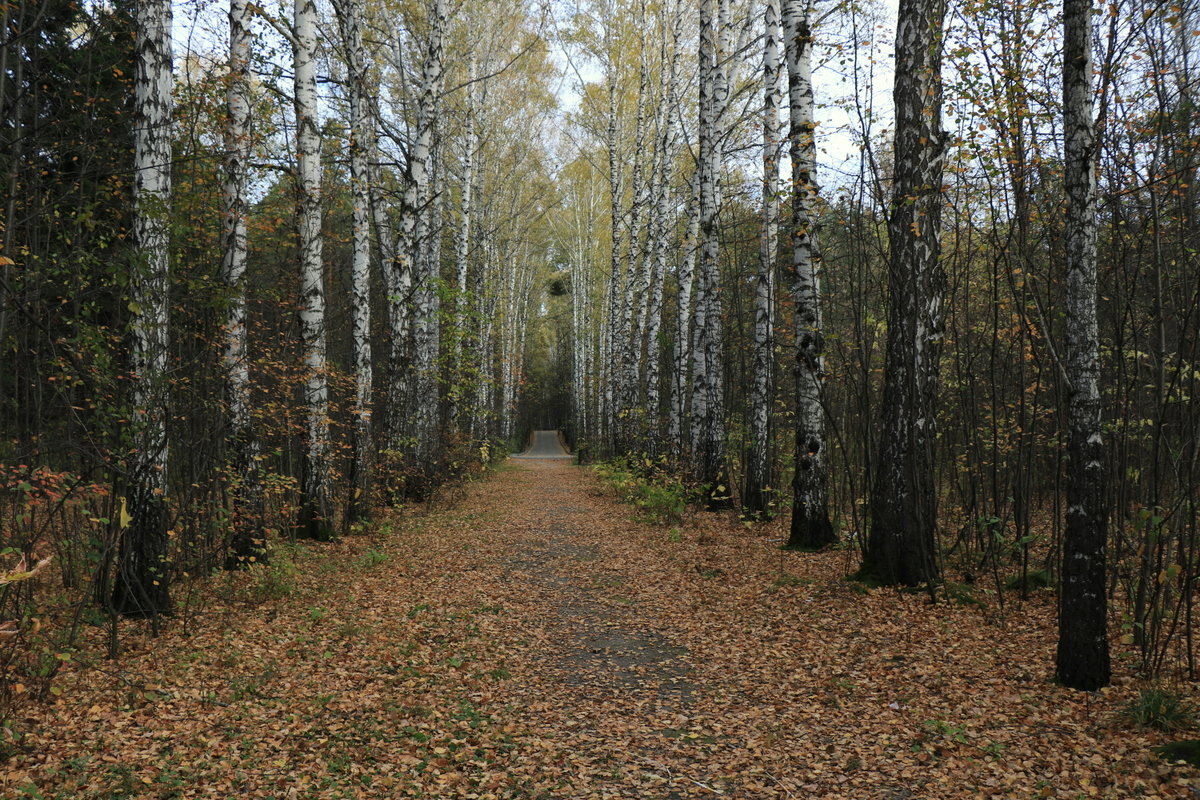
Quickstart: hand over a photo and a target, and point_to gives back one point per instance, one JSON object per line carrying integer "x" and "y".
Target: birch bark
{"x": 462, "y": 252}
{"x": 708, "y": 389}
{"x": 1083, "y": 657}
{"x": 141, "y": 588}
{"x": 350, "y": 15}
{"x": 247, "y": 544}
{"x": 316, "y": 506}
{"x": 810, "y": 526}
{"x": 618, "y": 312}
{"x": 679, "y": 423}
{"x": 426, "y": 330}
{"x": 757, "y": 492}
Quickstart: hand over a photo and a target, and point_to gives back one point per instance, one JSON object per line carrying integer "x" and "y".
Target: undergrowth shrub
{"x": 661, "y": 498}
{"x": 275, "y": 579}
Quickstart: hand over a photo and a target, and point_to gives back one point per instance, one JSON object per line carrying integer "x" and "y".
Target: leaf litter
{"x": 532, "y": 641}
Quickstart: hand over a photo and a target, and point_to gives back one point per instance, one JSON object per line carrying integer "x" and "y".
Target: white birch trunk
{"x": 618, "y": 311}
{"x": 361, "y": 148}
{"x": 316, "y": 507}
{"x": 418, "y": 275}
{"x": 708, "y": 390}
{"x": 810, "y": 525}
{"x": 637, "y": 280}
{"x": 141, "y": 583}
{"x": 758, "y": 491}
{"x": 462, "y": 252}
{"x": 247, "y": 544}
{"x": 657, "y": 251}
{"x": 679, "y": 424}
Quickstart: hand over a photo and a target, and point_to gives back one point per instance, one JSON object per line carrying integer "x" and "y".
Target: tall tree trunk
{"x": 141, "y": 588}
{"x": 1083, "y": 659}
{"x": 362, "y": 135}
{"x": 661, "y": 227}
{"x": 316, "y": 505}
{"x": 757, "y": 491}
{"x": 708, "y": 386}
{"x": 618, "y": 312}
{"x": 810, "y": 526}
{"x": 901, "y": 545}
{"x": 679, "y": 424}
{"x": 462, "y": 254}
{"x": 637, "y": 280}
{"x": 247, "y": 544}
{"x": 427, "y": 260}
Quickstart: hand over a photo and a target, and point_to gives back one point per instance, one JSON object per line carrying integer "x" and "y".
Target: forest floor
{"x": 533, "y": 641}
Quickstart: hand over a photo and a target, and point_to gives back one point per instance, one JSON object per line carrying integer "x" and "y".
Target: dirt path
{"x": 533, "y": 642}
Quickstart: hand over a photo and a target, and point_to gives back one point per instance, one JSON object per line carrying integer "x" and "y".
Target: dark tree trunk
{"x": 901, "y": 544}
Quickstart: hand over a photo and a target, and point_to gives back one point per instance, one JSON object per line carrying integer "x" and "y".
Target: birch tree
{"x": 756, "y": 493}
{"x": 427, "y": 260}
{"x": 1083, "y": 658}
{"x": 141, "y": 588}
{"x": 901, "y": 545}
{"x": 362, "y": 135}
{"x": 618, "y": 311}
{"x": 247, "y": 544}
{"x": 810, "y": 526}
{"x": 462, "y": 249}
{"x": 708, "y": 387}
{"x": 316, "y": 506}
{"x": 679, "y": 423}
{"x": 660, "y": 226}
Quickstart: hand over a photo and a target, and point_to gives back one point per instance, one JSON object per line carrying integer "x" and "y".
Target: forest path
{"x": 544, "y": 444}
{"x": 533, "y": 641}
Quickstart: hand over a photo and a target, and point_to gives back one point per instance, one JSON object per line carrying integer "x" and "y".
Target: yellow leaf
{"x": 123, "y": 518}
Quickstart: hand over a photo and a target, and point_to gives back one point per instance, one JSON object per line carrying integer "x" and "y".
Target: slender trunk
{"x": 462, "y": 252}
{"x": 361, "y": 147}
{"x": 247, "y": 544}
{"x": 618, "y": 312}
{"x": 141, "y": 588}
{"x": 901, "y": 548}
{"x": 316, "y": 505}
{"x": 637, "y": 280}
{"x": 661, "y": 231}
{"x": 708, "y": 389}
{"x": 427, "y": 258}
{"x": 1083, "y": 659}
{"x": 679, "y": 424}
{"x": 758, "y": 491}
{"x": 810, "y": 514}
{"x": 403, "y": 301}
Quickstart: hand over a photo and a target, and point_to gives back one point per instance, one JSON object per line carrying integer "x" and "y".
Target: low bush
{"x": 661, "y": 498}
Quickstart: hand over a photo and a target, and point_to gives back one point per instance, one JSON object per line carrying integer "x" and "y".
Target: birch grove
{"x": 615, "y": 222}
